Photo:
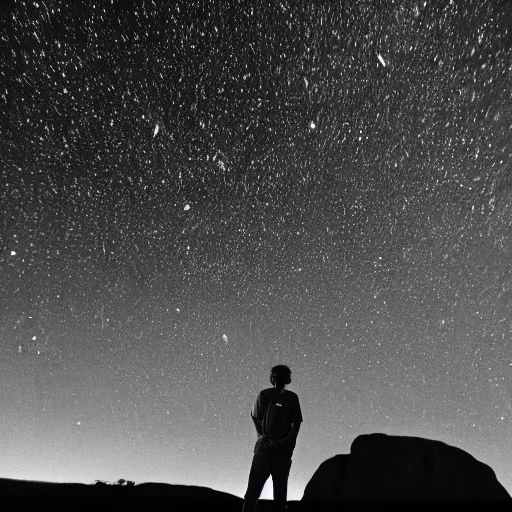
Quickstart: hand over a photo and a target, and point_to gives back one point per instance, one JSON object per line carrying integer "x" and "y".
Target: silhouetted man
{"x": 277, "y": 417}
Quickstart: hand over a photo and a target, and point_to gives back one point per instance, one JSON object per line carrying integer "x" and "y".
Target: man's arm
{"x": 256, "y": 413}
{"x": 258, "y": 424}
{"x": 294, "y": 432}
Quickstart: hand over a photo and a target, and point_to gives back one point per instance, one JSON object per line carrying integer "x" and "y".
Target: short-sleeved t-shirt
{"x": 284, "y": 411}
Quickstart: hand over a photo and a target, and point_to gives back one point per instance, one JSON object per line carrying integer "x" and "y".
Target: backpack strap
{"x": 265, "y": 419}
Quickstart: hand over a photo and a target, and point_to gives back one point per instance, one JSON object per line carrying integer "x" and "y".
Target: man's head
{"x": 280, "y": 375}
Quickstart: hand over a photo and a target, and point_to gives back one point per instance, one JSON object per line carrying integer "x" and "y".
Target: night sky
{"x": 192, "y": 192}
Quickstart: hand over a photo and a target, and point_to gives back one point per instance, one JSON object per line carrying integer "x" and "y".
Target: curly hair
{"x": 280, "y": 375}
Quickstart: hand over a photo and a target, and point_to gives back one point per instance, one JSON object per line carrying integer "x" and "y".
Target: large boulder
{"x": 403, "y": 468}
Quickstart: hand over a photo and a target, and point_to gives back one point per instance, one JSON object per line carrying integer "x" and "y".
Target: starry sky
{"x": 194, "y": 191}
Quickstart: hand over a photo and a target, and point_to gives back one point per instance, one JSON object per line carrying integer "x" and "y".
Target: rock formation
{"x": 403, "y": 468}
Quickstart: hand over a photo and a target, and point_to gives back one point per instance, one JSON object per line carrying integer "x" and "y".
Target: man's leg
{"x": 260, "y": 471}
{"x": 280, "y": 470}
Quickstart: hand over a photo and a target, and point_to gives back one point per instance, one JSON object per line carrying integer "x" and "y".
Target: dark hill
{"x": 32, "y": 488}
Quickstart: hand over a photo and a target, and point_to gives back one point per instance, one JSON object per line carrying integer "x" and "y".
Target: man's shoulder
{"x": 292, "y": 394}
{"x": 265, "y": 392}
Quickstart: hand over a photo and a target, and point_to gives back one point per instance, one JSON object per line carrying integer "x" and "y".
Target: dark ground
{"x": 190, "y": 498}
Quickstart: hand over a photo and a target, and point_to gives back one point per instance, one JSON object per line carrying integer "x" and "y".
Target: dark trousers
{"x": 264, "y": 465}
